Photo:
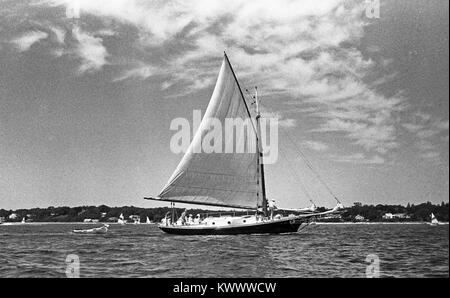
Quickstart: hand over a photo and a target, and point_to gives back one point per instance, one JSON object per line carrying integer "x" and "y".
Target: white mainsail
{"x": 434, "y": 219}
{"x": 220, "y": 179}
{"x": 121, "y": 219}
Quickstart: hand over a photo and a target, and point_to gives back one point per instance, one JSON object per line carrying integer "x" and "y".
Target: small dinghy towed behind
{"x": 100, "y": 230}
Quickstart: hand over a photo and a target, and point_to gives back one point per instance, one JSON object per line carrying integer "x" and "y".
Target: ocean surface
{"x": 322, "y": 250}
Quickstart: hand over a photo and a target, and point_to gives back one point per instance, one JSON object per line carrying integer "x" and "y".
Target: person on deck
{"x": 197, "y": 219}
{"x": 166, "y": 219}
{"x": 182, "y": 219}
{"x": 272, "y": 207}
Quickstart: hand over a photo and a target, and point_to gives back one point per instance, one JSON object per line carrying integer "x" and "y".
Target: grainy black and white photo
{"x": 224, "y": 139}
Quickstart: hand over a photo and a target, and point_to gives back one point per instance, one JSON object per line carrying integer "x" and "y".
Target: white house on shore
{"x": 396, "y": 216}
{"x": 359, "y": 218}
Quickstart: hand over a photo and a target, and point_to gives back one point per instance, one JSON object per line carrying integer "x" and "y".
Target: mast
{"x": 260, "y": 154}
{"x": 258, "y": 138}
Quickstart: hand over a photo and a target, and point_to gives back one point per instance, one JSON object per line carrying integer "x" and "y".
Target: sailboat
{"x": 231, "y": 180}
{"x": 434, "y": 221}
{"x": 23, "y": 221}
{"x": 148, "y": 221}
{"x": 121, "y": 219}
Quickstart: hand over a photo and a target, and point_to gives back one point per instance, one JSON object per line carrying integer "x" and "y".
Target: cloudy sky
{"x": 86, "y": 99}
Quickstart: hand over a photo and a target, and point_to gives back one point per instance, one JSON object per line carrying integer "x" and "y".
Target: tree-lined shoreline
{"x": 103, "y": 213}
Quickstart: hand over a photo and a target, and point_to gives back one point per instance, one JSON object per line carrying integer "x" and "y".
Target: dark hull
{"x": 270, "y": 227}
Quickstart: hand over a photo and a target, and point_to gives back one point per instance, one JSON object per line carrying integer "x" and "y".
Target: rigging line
{"x": 251, "y": 96}
{"x": 239, "y": 88}
{"x": 252, "y": 101}
{"x": 309, "y": 165}
{"x": 294, "y": 172}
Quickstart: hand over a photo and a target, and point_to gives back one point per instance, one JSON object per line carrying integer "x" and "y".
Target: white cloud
{"x": 359, "y": 158}
{"x": 166, "y": 84}
{"x": 414, "y": 128}
{"x": 24, "y": 42}
{"x": 424, "y": 129}
{"x": 275, "y": 29}
{"x": 287, "y": 123}
{"x": 430, "y": 154}
{"x": 60, "y": 34}
{"x": 283, "y": 122}
{"x": 289, "y": 46}
{"x": 317, "y": 146}
{"x": 141, "y": 72}
{"x": 91, "y": 51}
{"x": 442, "y": 125}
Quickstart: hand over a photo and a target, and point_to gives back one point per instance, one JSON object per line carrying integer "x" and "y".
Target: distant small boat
{"x": 434, "y": 221}
{"x": 148, "y": 221}
{"x": 23, "y": 220}
{"x": 121, "y": 220}
{"x": 100, "y": 230}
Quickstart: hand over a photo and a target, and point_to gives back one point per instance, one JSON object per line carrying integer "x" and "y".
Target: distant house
{"x": 135, "y": 217}
{"x": 103, "y": 214}
{"x": 12, "y": 216}
{"x": 388, "y": 216}
{"x": 396, "y": 216}
{"x": 359, "y": 218}
{"x": 87, "y": 220}
{"x": 94, "y": 220}
{"x": 332, "y": 216}
{"x": 401, "y": 215}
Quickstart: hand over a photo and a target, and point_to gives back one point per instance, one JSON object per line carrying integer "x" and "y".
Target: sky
{"x": 87, "y": 96}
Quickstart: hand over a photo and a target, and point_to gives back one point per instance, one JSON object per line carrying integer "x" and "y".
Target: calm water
{"x": 35, "y": 250}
